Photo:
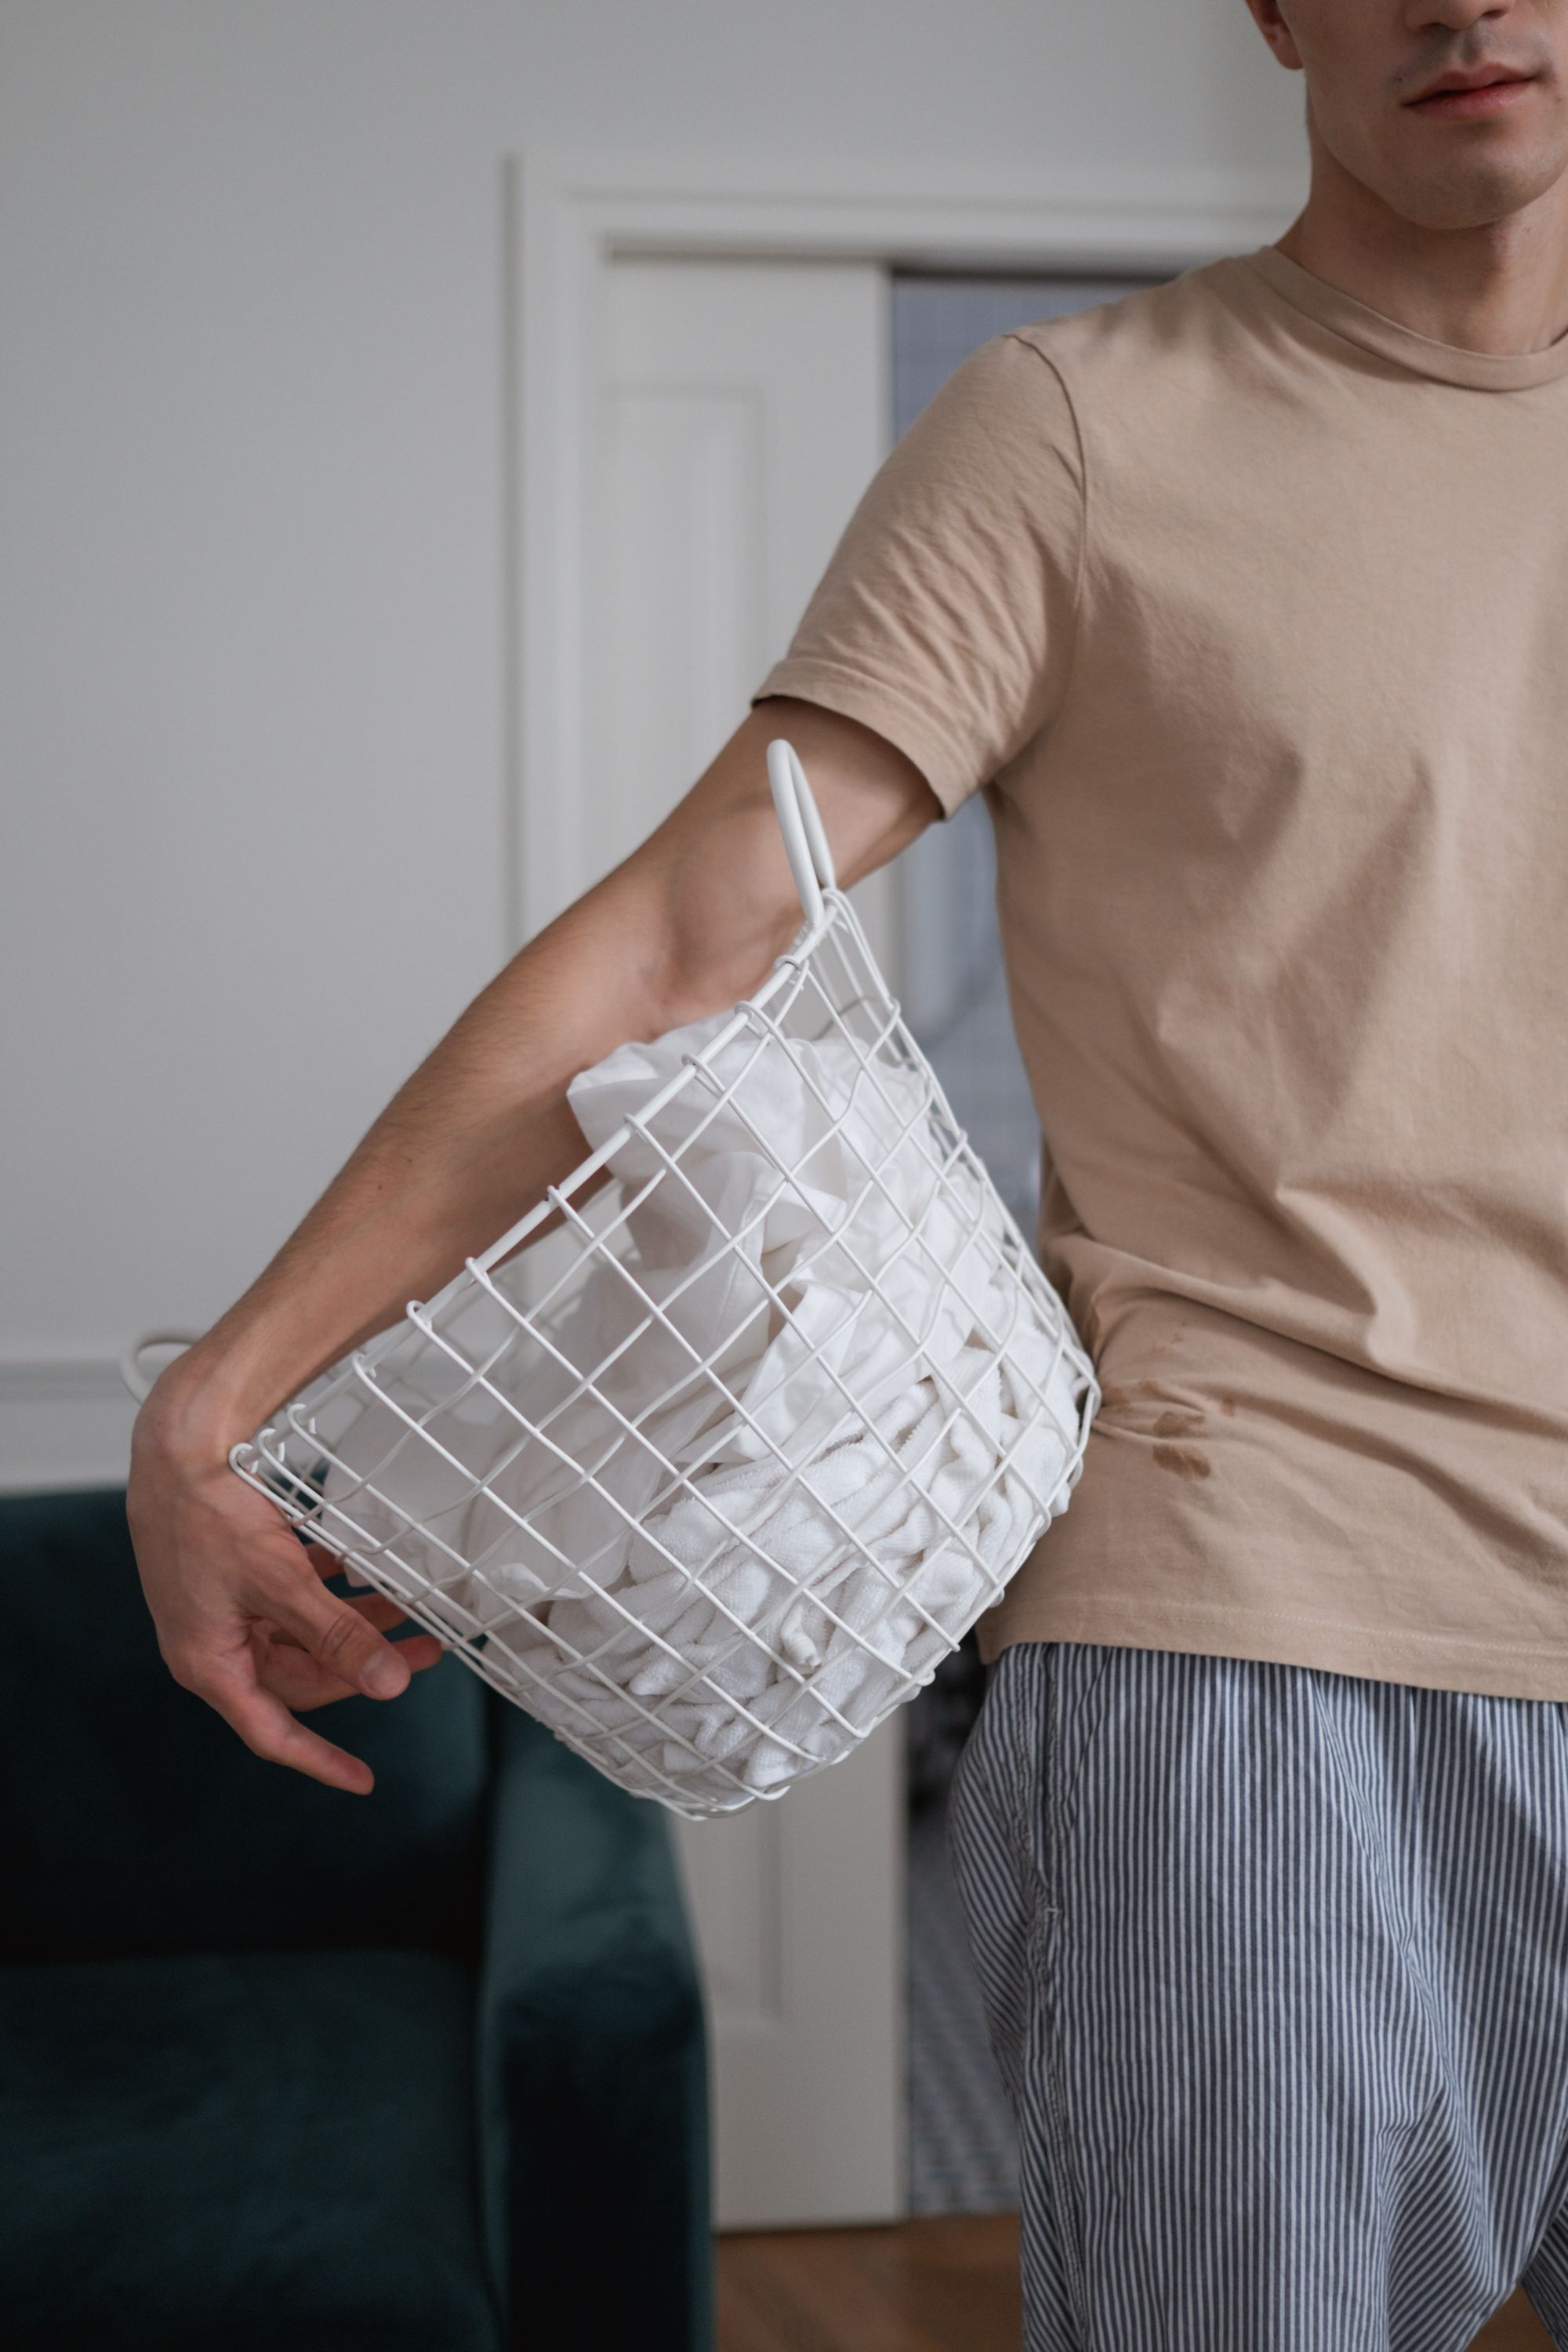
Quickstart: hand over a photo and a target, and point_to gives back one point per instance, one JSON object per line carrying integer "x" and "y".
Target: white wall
{"x": 252, "y": 423}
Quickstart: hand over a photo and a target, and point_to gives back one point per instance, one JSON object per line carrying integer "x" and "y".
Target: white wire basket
{"x": 713, "y": 1456}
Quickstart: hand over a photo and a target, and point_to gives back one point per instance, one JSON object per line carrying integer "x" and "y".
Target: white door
{"x": 744, "y": 406}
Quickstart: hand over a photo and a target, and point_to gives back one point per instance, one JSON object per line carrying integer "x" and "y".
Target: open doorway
{"x": 962, "y": 2152}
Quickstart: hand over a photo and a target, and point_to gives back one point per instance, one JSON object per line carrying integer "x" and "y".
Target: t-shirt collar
{"x": 1446, "y": 362}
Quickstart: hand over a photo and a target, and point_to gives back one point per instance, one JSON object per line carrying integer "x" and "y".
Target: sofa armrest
{"x": 592, "y": 2092}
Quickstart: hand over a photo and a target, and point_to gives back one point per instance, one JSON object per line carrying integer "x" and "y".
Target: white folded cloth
{"x": 797, "y": 1422}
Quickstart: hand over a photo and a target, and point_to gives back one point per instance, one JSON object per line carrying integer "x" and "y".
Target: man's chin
{"x": 1476, "y": 194}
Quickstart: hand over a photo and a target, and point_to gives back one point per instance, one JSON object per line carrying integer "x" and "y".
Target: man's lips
{"x": 1471, "y": 96}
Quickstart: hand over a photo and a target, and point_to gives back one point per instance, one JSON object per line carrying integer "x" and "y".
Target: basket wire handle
{"x": 805, "y": 841}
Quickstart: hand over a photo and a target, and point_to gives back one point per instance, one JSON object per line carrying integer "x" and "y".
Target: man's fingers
{"x": 419, "y": 1652}
{"x": 302, "y": 1681}
{"x": 375, "y": 1609}
{"x": 335, "y": 1635}
{"x": 267, "y": 1727}
{"x": 229, "y": 1586}
{"x": 292, "y": 1674}
{"x": 324, "y": 1562}
{"x": 376, "y": 1606}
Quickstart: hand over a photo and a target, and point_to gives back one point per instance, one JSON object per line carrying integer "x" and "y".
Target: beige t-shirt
{"x": 1248, "y": 609}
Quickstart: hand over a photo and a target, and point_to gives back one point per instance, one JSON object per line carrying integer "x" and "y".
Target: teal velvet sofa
{"x": 280, "y": 2067}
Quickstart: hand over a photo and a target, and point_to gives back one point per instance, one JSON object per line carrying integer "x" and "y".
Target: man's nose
{"x": 1454, "y": 15}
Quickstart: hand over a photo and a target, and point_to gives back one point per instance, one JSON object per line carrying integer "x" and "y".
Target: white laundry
{"x": 826, "y": 1422}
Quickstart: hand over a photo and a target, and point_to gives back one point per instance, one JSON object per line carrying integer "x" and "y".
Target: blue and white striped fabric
{"x": 1276, "y": 1964}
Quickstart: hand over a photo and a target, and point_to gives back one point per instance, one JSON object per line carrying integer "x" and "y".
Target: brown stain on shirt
{"x": 1179, "y": 1422}
{"x": 1182, "y": 1461}
{"x": 1172, "y": 1421}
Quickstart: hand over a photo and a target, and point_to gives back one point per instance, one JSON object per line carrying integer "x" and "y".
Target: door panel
{"x": 744, "y": 407}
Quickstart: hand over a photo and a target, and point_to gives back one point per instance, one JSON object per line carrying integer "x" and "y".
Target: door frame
{"x": 569, "y": 215}
{"x": 571, "y": 221}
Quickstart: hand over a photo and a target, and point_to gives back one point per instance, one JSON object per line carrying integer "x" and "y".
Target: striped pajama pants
{"x": 1276, "y": 1968}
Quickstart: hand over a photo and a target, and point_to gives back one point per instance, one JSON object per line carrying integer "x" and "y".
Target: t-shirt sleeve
{"x": 945, "y": 619}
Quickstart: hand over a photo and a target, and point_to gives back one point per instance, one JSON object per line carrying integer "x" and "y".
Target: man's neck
{"x": 1503, "y": 288}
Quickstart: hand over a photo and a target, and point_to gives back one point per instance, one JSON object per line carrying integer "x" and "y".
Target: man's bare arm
{"x": 689, "y": 923}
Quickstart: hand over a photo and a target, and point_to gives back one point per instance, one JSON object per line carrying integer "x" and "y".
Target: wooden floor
{"x": 926, "y": 2286}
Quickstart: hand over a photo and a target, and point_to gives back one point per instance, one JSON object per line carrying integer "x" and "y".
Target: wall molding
{"x": 570, "y": 215}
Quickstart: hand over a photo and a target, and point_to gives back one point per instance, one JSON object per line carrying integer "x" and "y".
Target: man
{"x": 1245, "y": 600}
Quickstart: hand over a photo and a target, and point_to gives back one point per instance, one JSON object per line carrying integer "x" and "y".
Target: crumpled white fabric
{"x": 781, "y": 1546}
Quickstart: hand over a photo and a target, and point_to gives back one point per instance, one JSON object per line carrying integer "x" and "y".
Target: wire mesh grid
{"x": 712, "y": 1457}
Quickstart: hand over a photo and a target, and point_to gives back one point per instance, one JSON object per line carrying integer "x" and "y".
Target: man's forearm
{"x": 464, "y": 1148}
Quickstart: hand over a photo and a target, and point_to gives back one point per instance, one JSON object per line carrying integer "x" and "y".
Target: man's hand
{"x": 244, "y": 1619}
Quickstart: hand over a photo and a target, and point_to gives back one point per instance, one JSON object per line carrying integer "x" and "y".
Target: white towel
{"x": 776, "y": 1548}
